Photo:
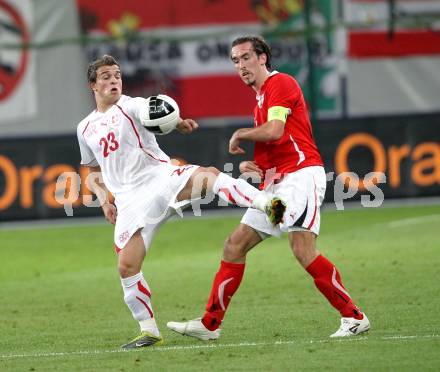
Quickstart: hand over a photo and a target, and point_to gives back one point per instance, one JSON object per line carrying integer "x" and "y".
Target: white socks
{"x": 237, "y": 191}
{"x": 137, "y": 296}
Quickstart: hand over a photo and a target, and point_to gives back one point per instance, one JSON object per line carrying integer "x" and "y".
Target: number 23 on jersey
{"x": 108, "y": 144}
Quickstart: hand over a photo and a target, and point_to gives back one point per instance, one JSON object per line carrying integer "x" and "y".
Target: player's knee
{"x": 299, "y": 251}
{"x": 304, "y": 251}
{"x": 127, "y": 268}
{"x": 210, "y": 170}
{"x": 233, "y": 250}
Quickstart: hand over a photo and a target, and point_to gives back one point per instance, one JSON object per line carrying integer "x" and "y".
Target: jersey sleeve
{"x": 283, "y": 94}
{"x": 87, "y": 156}
{"x": 133, "y": 107}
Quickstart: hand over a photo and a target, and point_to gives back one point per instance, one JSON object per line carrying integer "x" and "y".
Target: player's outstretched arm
{"x": 187, "y": 126}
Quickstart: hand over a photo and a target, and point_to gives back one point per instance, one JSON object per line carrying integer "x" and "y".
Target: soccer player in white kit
{"x": 146, "y": 186}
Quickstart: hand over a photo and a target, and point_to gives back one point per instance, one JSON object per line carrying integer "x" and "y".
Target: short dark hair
{"x": 259, "y": 44}
{"x": 105, "y": 60}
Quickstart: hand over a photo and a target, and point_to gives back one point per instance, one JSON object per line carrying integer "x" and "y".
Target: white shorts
{"x": 303, "y": 192}
{"x": 150, "y": 204}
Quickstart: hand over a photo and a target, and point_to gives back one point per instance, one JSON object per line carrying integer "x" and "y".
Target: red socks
{"x": 226, "y": 282}
{"x": 328, "y": 281}
{"x": 229, "y": 276}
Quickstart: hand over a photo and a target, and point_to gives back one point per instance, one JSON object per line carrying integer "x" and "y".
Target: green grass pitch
{"x": 61, "y": 305}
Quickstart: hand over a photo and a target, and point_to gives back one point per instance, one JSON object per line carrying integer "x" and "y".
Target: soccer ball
{"x": 160, "y": 114}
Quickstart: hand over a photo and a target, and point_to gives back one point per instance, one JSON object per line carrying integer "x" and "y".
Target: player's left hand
{"x": 234, "y": 142}
{"x": 187, "y": 126}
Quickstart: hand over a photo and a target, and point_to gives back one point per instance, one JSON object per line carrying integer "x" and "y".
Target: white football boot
{"x": 352, "y": 326}
{"x": 194, "y": 328}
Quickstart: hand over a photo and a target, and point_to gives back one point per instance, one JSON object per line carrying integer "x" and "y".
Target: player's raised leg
{"x": 137, "y": 294}
{"x": 233, "y": 191}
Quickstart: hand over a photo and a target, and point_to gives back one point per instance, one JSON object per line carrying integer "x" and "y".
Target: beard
{"x": 249, "y": 82}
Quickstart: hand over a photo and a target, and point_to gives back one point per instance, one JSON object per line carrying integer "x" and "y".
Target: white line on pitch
{"x": 213, "y": 346}
{"x": 413, "y": 220}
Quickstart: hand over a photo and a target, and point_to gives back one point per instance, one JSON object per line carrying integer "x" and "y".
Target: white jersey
{"x": 135, "y": 170}
{"x": 116, "y": 141}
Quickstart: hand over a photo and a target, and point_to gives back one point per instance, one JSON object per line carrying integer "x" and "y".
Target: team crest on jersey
{"x": 260, "y": 100}
{"x": 113, "y": 122}
{"x": 115, "y": 119}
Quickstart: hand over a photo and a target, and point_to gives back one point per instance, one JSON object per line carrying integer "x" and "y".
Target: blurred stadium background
{"x": 369, "y": 69}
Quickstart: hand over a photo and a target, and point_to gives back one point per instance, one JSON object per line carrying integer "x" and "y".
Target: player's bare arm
{"x": 269, "y": 131}
{"x": 102, "y": 193}
{"x": 249, "y": 166}
{"x": 186, "y": 126}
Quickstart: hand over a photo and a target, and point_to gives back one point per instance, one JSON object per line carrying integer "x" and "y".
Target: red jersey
{"x": 296, "y": 149}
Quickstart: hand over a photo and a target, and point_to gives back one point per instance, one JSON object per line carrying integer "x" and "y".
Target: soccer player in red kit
{"x": 287, "y": 159}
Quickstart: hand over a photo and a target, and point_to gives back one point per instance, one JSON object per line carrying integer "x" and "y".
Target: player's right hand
{"x": 110, "y": 212}
{"x": 250, "y": 167}
{"x": 187, "y": 126}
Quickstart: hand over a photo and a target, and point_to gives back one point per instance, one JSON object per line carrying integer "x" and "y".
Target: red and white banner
{"x": 393, "y": 56}
{"x": 196, "y": 71}
{"x": 372, "y": 37}
{"x": 17, "y": 75}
